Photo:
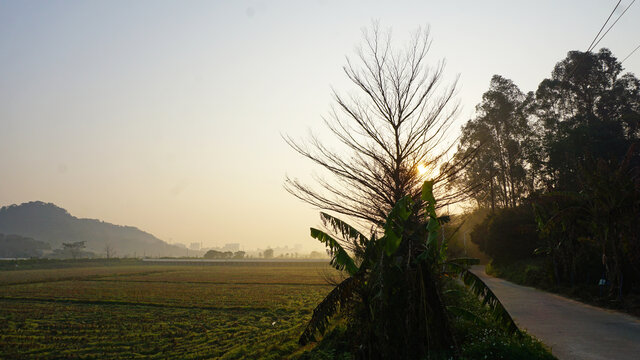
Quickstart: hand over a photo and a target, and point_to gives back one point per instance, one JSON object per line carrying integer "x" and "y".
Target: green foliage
{"x": 481, "y": 335}
{"x": 497, "y": 145}
{"x": 350, "y": 234}
{"x": 586, "y": 110}
{"x": 508, "y": 234}
{"x": 334, "y": 345}
{"x": 571, "y": 150}
{"x": 338, "y": 297}
{"x": 427, "y": 196}
{"x": 340, "y": 259}
{"x": 394, "y": 225}
{"x": 491, "y": 344}
{"x": 384, "y": 292}
{"x": 597, "y": 225}
{"x": 477, "y": 331}
{"x": 531, "y": 272}
{"x": 215, "y": 254}
{"x": 498, "y": 311}
{"x": 393, "y": 300}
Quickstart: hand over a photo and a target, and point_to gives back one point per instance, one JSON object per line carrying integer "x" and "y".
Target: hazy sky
{"x": 167, "y": 115}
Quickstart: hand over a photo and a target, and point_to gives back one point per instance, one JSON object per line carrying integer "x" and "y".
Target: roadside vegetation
{"x": 400, "y": 299}
{"x": 557, "y": 173}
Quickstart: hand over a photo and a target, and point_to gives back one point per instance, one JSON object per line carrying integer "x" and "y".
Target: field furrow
{"x": 158, "y": 312}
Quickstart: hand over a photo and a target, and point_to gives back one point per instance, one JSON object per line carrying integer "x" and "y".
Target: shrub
{"x": 508, "y": 234}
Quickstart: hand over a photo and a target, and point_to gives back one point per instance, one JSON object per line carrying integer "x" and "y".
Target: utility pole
{"x": 465, "y": 242}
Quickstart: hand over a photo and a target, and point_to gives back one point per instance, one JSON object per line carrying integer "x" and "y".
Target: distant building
{"x": 233, "y": 247}
{"x": 194, "y": 246}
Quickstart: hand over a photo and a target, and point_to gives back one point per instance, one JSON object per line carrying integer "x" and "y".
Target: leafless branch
{"x": 400, "y": 117}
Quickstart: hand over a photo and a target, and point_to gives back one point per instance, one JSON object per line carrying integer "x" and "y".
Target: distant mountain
{"x": 53, "y": 225}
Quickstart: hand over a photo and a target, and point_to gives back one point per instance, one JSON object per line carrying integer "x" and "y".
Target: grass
{"x": 481, "y": 337}
{"x": 135, "y": 310}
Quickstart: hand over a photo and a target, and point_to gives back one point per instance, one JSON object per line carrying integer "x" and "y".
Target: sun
{"x": 422, "y": 169}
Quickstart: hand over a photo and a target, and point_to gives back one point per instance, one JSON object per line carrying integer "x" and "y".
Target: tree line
{"x": 558, "y": 168}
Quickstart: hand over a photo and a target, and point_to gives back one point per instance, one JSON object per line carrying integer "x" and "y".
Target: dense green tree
{"x": 213, "y": 254}
{"x": 585, "y": 111}
{"x": 578, "y": 149}
{"x": 74, "y": 248}
{"x": 497, "y": 142}
{"x": 598, "y": 223}
{"x": 508, "y": 234}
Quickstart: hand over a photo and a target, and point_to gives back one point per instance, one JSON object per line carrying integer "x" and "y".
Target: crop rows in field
{"x": 266, "y": 274}
{"x": 80, "y": 273}
{"x": 169, "y": 312}
{"x": 172, "y": 294}
{"x": 51, "y": 330}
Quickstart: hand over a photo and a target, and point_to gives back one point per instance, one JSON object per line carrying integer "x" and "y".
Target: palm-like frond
{"x": 348, "y": 232}
{"x": 338, "y": 297}
{"x": 464, "y": 314}
{"x": 394, "y": 225}
{"x": 478, "y": 287}
{"x": 378, "y": 278}
{"x": 460, "y": 267}
{"x": 340, "y": 259}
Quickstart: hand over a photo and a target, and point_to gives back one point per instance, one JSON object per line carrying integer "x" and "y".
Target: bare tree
{"x": 396, "y": 124}
{"x": 109, "y": 250}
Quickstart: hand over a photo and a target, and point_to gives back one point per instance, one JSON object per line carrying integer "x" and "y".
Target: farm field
{"x": 221, "y": 310}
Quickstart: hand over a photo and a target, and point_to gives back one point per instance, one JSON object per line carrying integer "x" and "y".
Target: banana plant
{"x": 384, "y": 268}
{"x": 368, "y": 250}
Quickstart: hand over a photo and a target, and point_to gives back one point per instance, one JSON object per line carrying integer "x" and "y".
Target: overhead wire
{"x": 603, "y": 25}
{"x": 634, "y": 50}
{"x": 596, "y": 40}
{"x": 606, "y": 32}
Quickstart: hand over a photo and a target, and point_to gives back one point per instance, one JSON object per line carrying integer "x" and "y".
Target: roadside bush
{"x": 508, "y": 234}
{"x": 534, "y": 272}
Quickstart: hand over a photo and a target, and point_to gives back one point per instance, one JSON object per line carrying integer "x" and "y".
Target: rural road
{"x": 571, "y": 329}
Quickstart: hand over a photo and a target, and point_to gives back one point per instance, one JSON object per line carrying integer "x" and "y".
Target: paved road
{"x": 573, "y": 330}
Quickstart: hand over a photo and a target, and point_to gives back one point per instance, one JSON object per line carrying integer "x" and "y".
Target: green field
{"x": 134, "y": 310}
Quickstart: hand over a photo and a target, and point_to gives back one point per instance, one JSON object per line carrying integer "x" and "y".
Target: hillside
{"x": 54, "y": 225}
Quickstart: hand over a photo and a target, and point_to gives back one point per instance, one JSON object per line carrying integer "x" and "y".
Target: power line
{"x": 603, "y": 25}
{"x": 593, "y": 42}
{"x": 606, "y": 32}
{"x": 634, "y": 50}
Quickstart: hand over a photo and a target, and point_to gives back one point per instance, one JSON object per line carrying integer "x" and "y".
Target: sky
{"x": 169, "y": 115}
